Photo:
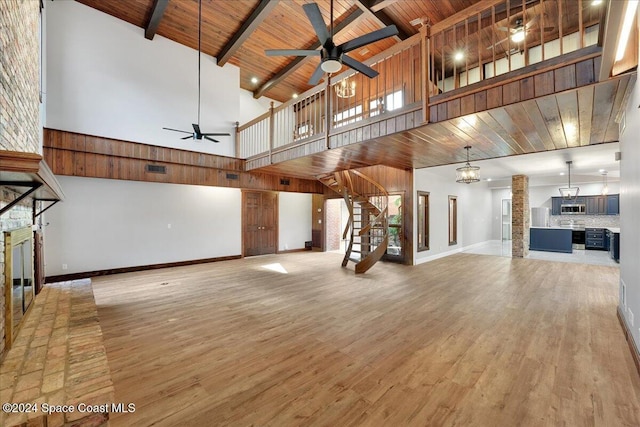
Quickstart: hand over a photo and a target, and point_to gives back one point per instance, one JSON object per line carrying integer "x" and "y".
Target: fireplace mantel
{"x": 20, "y": 171}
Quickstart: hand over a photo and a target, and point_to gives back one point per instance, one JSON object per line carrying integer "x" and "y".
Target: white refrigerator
{"x": 539, "y": 217}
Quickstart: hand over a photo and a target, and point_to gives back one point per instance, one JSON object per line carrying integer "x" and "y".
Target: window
{"x": 304, "y": 130}
{"x": 392, "y": 102}
{"x": 453, "y": 220}
{"x": 345, "y": 117}
{"x": 423, "y": 221}
{"x": 396, "y": 237}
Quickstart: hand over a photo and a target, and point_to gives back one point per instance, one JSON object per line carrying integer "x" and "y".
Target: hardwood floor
{"x": 464, "y": 340}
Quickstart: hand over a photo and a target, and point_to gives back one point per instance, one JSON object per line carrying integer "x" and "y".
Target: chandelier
{"x": 467, "y": 173}
{"x": 344, "y": 90}
{"x": 569, "y": 192}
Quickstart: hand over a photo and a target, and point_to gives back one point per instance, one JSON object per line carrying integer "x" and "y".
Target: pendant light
{"x": 467, "y": 173}
{"x": 569, "y": 192}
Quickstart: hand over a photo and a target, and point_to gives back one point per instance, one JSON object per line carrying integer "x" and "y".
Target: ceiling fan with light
{"x": 197, "y": 133}
{"x": 332, "y": 57}
{"x": 518, "y": 31}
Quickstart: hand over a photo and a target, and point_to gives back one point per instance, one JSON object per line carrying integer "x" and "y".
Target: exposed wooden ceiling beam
{"x": 255, "y": 19}
{"x": 381, "y": 17}
{"x": 156, "y": 15}
{"x": 297, "y": 62}
{"x": 376, "y": 5}
{"x": 464, "y": 14}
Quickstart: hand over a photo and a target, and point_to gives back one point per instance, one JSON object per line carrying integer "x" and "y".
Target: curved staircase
{"x": 367, "y": 202}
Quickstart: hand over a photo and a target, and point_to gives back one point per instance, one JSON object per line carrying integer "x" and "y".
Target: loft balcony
{"x": 466, "y": 80}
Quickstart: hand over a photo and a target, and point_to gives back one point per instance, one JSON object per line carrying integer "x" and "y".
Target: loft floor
{"x": 296, "y": 340}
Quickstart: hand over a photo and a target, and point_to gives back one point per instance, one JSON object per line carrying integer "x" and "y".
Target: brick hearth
{"x": 58, "y": 358}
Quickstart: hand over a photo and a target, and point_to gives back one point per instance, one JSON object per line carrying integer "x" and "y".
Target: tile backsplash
{"x": 590, "y": 221}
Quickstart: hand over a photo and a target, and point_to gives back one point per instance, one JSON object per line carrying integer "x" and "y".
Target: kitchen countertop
{"x": 552, "y": 228}
{"x": 612, "y": 229}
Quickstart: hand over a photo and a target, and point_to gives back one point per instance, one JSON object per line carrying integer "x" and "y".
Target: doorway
{"x": 259, "y": 222}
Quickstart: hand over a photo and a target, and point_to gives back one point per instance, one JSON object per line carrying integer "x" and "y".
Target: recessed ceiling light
{"x": 254, "y": 80}
{"x": 458, "y": 56}
{"x": 596, "y": 2}
{"x": 295, "y": 96}
{"x": 561, "y": 173}
{"x": 602, "y": 170}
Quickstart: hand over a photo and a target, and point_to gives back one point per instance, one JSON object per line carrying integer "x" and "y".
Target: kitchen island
{"x": 551, "y": 239}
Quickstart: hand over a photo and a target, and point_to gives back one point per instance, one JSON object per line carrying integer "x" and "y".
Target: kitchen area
{"x": 577, "y": 223}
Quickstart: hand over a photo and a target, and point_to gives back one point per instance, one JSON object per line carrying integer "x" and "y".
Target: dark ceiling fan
{"x": 331, "y": 56}
{"x": 197, "y": 134}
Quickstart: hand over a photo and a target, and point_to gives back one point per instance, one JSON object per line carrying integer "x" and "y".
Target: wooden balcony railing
{"x": 420, "y": 77}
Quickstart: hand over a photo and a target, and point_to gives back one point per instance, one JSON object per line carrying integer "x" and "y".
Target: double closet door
{"x": 259, "y": 222}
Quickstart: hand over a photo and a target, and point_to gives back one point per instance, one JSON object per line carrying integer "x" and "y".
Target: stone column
{"x": 520, "y": 216}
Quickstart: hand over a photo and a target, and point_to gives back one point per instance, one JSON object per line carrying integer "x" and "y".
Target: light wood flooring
{"x": 467, "y": 340}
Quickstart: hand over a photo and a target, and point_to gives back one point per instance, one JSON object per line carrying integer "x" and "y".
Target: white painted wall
{"x": 630, "y": 216}
{"x": 474, "y": 213}
{"x": 294, "y": 225}
{"x": 250, "y": 108}
{"x": 104, "y": 78}
{"x": 104, "y": 224}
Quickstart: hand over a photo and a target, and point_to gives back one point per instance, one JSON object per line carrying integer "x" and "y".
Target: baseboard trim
{"x": 289, "y": 251}
{"x": 76, "y": 276}
{"x": 627, "y": 334}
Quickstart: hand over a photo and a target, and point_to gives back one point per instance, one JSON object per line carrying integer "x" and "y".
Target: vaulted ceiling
{"x": 238, "y": 31}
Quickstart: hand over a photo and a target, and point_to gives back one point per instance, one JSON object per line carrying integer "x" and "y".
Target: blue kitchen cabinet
{"x": 556, "y": 202}
{"x": 551, "y": 240}
{"x": 613, "y": 204}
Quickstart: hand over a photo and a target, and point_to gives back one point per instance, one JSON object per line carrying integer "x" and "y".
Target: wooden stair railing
{"x": 367, "y": 226}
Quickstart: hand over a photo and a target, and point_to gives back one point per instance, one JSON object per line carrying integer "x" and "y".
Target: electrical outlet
{"x": 630, "y": 316}
{"x": 64, "y": 266}
{"x": 169, "y": 226}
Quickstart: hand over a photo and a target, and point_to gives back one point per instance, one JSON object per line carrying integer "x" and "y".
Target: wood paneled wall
{"x": 569, "y": 71}
{"x": 75, "y": 154}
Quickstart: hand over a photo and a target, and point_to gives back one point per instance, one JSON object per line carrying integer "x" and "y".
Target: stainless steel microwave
{"x": 573, "y": 209}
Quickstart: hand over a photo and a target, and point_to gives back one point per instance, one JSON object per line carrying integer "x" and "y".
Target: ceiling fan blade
{"x": 210, "y": 139}
{"x": 316, "y": 76}
{"x": 292, "y": 52}
{"x": 503, "y": 28}
{"x": 188, "y": 137}
{"x": 498, "y": 42}
{"x": 531, "y": 22}
{"x": 359, "y": 66}
{"x": 196, "y": 128}
{"x": 177, "y": 130}
{"x": 315, "y": 17}
{"x": 215, "y": 134}
{"x": 371, "y": 37}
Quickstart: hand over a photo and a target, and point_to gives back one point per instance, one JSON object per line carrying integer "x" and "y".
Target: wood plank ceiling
{"x": 282, "y": 26}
